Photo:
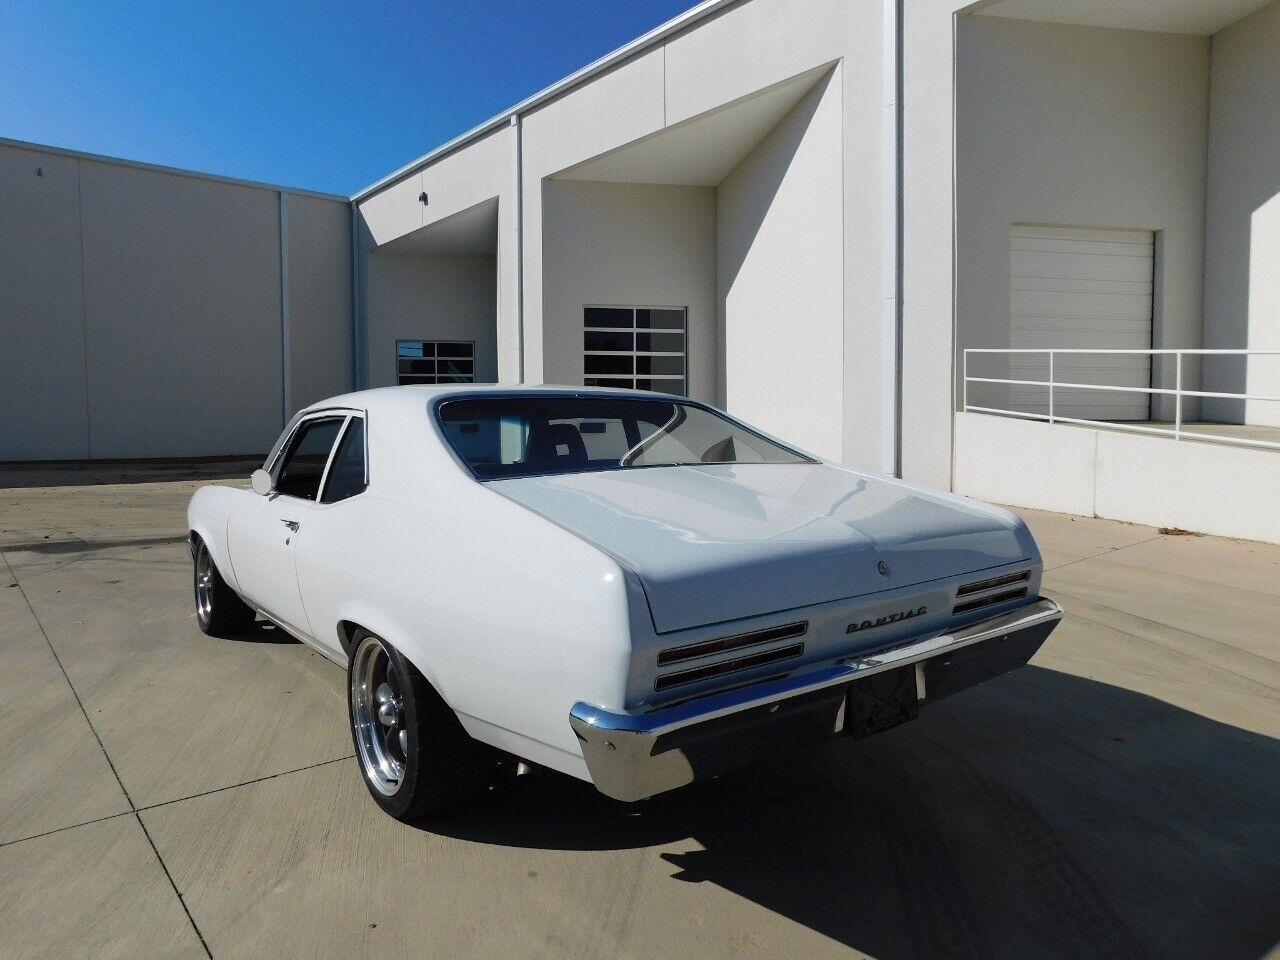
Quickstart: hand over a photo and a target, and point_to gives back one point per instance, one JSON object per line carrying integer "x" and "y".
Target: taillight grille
{"x": 703, "y": 648}
{"x": 1020, "y": 577}
{"x": 694, "y": 674}
{"x": 980, "y": 591}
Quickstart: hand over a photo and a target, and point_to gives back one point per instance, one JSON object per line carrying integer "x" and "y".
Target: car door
{"x": 263, "y": 532}
{"x": 337, "y": 518}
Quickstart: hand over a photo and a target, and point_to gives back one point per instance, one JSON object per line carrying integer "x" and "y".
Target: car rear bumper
{"x": 636, "y": 755}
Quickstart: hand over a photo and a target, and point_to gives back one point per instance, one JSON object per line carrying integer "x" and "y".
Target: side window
{"x": 346, "y": 476}
{"x": 303, "y": 463}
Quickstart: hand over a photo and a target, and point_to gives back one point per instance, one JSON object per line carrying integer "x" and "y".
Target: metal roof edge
{"x": 173, "y": 171}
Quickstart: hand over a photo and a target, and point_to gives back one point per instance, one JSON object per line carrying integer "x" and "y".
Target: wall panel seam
{"x": 286, "y": 372}
{"x": 84, "y": 310}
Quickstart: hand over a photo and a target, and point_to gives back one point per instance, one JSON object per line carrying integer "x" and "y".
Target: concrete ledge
{"x": 1025, "y": 463}
{"x": 1205, "y": 487}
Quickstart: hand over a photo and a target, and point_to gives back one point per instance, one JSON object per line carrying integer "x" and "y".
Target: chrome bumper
{"x": 636, "y": 755}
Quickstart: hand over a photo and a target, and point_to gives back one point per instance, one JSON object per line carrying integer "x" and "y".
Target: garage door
{"x": 1080, "y": 288}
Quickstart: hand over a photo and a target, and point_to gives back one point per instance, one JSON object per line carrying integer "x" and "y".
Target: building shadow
{"x": 78, "y": 473}
{"x": 55, "y": 548}
{"x": 1040, "y": 815}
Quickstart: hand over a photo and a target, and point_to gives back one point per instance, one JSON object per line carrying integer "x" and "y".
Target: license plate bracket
{"x": 882, "y": 701}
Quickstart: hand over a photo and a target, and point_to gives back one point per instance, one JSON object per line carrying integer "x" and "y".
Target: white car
{"x": 631, "y": 588}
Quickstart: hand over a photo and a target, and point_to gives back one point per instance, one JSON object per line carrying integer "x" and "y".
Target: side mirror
{"x": 261, "y": 482}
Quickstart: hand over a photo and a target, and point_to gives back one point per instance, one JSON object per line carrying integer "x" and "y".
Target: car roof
{"x": 415, "y": 396}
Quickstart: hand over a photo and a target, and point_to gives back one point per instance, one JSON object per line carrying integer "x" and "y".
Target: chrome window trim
{"x": 285, "y": 438}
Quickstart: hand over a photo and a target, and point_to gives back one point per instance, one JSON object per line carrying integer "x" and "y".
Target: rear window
{"x": 536, "y": 435}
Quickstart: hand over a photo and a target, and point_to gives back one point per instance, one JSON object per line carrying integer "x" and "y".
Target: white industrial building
{"x": 803, "y": 210}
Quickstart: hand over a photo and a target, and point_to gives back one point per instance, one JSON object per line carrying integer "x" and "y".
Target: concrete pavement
{"x": 167, "y": 795}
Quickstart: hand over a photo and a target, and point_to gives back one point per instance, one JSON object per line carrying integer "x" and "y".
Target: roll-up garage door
{"x": 1080, "y": 288}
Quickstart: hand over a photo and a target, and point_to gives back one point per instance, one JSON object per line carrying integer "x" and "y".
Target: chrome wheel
{"x": 204, "y": 584}
{"x": 377, "y": 716}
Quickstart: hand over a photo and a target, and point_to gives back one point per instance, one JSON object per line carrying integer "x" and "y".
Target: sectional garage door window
{"x": 435, "y": 361}
{"x": 639, "y": 348}
{"x": 1081, "y": 288}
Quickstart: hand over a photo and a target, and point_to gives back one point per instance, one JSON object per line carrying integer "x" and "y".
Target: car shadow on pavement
{"x": 263, "y": 631}
{"x": 1040, "y": 815}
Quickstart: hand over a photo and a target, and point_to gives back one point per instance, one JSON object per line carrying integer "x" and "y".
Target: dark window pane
{"x": 303, "y": 465}
{"x": 594, "y": 363}
{"x": 454, "y": 349}
{"x": 455, "y": 366}
{"x": 346, "y": 476}
{"x": 660, "y": 319}
{"x": 592, "y": 340}
{"x": 409, "y": 379}
{"x": 456, "y": 378}
{"x": 660, "y": 342}
{"x": 672, "y": 366}
{"x": 608, "y": 317}
{"x": 662, "y": 386}
{"x": 417, "y": 366}
{"x": 622, "y": 382}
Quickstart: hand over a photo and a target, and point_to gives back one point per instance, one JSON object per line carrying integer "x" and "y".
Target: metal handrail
{"x": 1177, "y": 392}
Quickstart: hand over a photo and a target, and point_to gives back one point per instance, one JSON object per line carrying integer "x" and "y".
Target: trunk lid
{"x": 723, "y": 542}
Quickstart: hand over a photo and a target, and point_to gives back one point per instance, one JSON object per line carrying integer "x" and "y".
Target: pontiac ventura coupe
{"x": 631, "y": 588}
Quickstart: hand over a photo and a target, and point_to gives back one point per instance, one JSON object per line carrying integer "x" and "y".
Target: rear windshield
{"x": 524, "y": 436}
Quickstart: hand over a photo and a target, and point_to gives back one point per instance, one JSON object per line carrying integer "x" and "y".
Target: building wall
{"x": 1242, "y": 254}
{"x": 478, "y": 172}
{"x": 1079, "y": 126}
{"x": 142, "y": 309}
{"x": 928, "y": 241}
{"x": 745, "y": 49}
{"x": 730, "y": 55}
{"x": 628, "y": 244}
{"x": 319, "y": 235}
{"x": 430, "y": 297}
{"x": 780, "y": 277}
{"x": 180, "y": 275}
{"x": 42, "y": 347}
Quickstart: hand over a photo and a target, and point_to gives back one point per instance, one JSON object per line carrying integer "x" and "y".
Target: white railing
{"x": 1177, "y": 431}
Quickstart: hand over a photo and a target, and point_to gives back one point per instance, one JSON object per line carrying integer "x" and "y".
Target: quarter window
{"x": 303, "y": 465}
{"x": 435, "y": 361}
{"x": 347, "y": 474}
{"x": 640, "y": 348}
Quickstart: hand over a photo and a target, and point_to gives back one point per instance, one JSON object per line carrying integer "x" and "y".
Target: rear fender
{"x": 385, "y": 626}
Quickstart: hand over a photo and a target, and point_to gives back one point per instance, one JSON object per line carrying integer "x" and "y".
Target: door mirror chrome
{"x": 261, "y": 482}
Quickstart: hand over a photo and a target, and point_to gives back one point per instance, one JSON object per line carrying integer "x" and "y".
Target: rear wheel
{"x": 414, "y": 755}
{"x": 219, "y": 611}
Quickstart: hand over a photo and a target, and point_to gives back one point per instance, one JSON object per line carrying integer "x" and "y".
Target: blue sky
{"x": 325, "y": 95}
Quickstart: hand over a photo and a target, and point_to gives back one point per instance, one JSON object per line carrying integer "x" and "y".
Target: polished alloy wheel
{"x": 204, "y": 584}
{"x": 377, "y": 714}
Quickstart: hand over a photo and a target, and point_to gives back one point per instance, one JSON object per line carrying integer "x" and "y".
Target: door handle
{"x": 291, "y": 524}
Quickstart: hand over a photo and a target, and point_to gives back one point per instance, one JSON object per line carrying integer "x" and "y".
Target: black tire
{"x": 414, "y": 755}
{"x": 219, "y": 610}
